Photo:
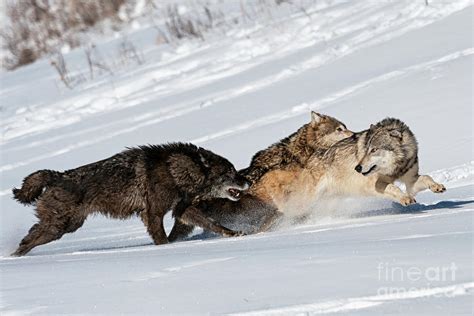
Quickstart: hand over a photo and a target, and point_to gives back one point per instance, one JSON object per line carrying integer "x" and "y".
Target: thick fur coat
{"x": 297, "y": 148}
{"x": 365, "y": 164}
{"x": 257, "y": 209}
{"x": 146, "y": 181}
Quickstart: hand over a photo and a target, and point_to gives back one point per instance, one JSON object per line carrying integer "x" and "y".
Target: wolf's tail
{"x": 34, "y": 184}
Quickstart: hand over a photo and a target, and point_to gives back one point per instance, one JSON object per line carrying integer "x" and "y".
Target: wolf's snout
{"x": 237, "y": 189}
{"x": 358, "y": 168}
{"x": 235, "y": 194}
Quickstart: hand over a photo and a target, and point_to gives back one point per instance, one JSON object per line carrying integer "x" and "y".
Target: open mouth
{"x": 369, "y": 171}
{"x": 234, "y": 193}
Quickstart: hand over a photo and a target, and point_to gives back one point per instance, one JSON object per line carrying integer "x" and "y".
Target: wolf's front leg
{"x": 180, "y": 230}
{"x": 422, "y": 183}
{"x": 391, "y": 191}
{"x": 270, "y": 221}
{"x": 416, "y": 183}
{"x": 194, "y": 216}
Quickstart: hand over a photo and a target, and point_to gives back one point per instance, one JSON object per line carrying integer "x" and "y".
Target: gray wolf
{"x": 365, "y": 164}
{"x": 147, "y": 180}
{"x": 391, "y": 153}
{"x": 256, "y": 207}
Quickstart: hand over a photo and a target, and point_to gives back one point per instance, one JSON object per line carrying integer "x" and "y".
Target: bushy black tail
{"x": 34, "y": 184}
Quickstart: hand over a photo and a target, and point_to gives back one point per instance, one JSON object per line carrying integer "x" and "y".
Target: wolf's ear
{"x": 185, "y": 172}
{"x": 316, "y": 118}
{"x": 396, "y": 133}
{"x": 372, "y": 126}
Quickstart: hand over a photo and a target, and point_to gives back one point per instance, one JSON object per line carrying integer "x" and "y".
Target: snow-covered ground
{"x": 359, "y": 61}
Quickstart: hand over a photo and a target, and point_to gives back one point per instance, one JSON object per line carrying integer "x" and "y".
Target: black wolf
{"x": 148, "y": 180}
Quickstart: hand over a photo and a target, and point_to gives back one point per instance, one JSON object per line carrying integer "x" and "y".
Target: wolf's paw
{"x": 437, "y": 188}
{"x": 407, "y": 200}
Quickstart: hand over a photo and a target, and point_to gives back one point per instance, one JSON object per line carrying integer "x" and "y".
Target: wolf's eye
{"x": 373, "y": 150}
{"x": 339, "y": 129}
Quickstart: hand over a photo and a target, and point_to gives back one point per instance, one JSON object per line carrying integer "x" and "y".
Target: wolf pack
{"x": 322, "y": 160}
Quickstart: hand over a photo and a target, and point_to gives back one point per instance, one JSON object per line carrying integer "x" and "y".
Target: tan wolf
{"x": 317, "y": 135}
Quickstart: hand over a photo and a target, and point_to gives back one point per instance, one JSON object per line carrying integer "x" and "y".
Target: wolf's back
{"x": 274, "y": 157}
{"x": 34, "y": 184}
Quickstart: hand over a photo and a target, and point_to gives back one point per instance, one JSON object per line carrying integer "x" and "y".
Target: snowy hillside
{"x": 236, "y": 93}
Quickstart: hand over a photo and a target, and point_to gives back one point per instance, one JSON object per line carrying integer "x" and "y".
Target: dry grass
{"x": 40, "y": 27}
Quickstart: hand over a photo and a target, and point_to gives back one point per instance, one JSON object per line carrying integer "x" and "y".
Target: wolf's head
{"x": 324, "y": 131}
{"x": 207, "y": 175}
{"x": 387, "y": 148}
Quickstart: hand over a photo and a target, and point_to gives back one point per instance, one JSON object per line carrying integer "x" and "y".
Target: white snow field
{"x": 359, "y": 61}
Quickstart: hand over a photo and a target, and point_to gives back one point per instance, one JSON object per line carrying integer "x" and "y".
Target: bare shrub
{"x": 181, "y": 26}
{"x": 180, "y": 23}
{"x": 128, "y": 51}
{"x": 95, "y": 61}
{"x": 36, "y": 28}
{"x": 194, "y": 21}
{"x": 70, "y": 79}
{"x": 39, "y": 27}
{"x": 90, "y": 63}
{"x": 97, "y": 65}
{"x": 59, "y": 64}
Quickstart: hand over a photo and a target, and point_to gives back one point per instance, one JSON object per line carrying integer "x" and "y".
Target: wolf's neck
{"x": 303, "y": 148}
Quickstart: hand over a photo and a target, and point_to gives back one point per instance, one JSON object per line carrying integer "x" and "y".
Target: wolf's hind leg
{"x": 39, "y": 234}
{"x": 58, "y": 213}
{"x": 194, "y": 216}
{"x": 180, "y": 230}
{"x": 26, "y": 243}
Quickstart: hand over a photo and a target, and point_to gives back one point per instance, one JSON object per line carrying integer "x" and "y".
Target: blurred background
{"x": 32, "y": 29}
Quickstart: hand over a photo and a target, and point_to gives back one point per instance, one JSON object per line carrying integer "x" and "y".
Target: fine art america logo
{"x": 415, "y": 277}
